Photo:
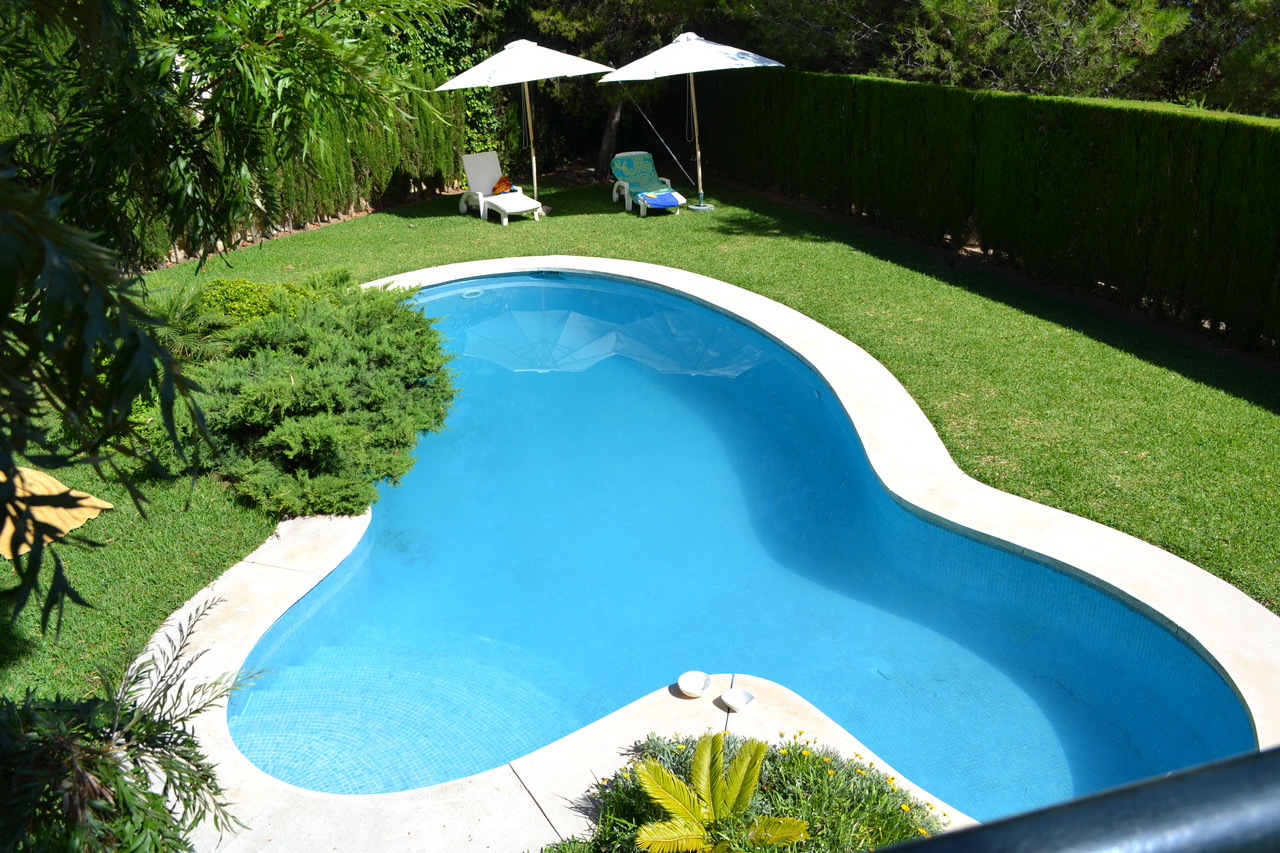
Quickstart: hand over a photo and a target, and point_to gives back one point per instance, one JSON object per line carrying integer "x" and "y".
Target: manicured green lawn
{"x": 1033, "y": 394}
{"x": 1176, "y": 444}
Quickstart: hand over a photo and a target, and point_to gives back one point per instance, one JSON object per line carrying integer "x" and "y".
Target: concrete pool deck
{"x": 538, "y": 799}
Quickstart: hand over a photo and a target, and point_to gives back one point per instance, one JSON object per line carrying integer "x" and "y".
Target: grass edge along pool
{"x": 888, "y": 755}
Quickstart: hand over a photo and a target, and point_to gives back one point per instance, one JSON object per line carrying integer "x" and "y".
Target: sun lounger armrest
{"x": 621, "y": 190}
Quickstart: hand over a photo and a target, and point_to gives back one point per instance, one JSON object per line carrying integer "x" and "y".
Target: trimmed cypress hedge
{"x": 361, "y": 165}
{"x": 1167, "y": 209}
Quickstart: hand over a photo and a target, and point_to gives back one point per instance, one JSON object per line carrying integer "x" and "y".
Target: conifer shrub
{"x": 316, "y": 400}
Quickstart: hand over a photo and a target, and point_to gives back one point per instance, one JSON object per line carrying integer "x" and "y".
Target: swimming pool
{"x": 995, "y": 681}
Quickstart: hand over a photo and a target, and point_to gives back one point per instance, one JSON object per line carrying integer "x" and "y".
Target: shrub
{"x": 320, "y": 398}
{"x": 237, "y": 299}
{"x": 119, "y": 771}
{"x": 712, "y": 809}
{"x": 847, "y": 804}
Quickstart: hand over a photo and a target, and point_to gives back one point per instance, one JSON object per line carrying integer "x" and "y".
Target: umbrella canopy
{"x": 522, "y": 62}
{"x": 44, "y": 507}
{"x": 689, "y": 54}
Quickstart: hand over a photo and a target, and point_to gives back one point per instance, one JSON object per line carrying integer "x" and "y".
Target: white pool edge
{"x": 531, "y": 802}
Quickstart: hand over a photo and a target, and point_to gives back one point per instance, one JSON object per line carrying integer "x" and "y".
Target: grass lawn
{"x": 1176, "y": 444}
{"x": 141, "y": 570}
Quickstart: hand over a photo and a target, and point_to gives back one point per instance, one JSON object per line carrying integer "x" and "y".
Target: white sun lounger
{"x": 483, "y": 172}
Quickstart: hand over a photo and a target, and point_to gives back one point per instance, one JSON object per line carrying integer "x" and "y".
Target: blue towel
{"x": 661, "y": 199}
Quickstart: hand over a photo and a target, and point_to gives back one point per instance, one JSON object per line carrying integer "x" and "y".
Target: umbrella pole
{"x": 533, "y": 156}
{"x": 697, "y": 148}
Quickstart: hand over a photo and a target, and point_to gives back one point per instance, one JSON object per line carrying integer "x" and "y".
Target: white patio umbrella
{"x": 521, "y": 62}
{"x": 688, "y": 54}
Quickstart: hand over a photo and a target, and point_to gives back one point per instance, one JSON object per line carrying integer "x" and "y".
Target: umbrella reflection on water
{"x": 541, "y": 341}
{"x": 560, "y": 340}
{"x": 675, "y": 342}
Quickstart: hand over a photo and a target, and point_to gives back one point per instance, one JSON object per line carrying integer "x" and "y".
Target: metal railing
{"x": 1229, "y": 806}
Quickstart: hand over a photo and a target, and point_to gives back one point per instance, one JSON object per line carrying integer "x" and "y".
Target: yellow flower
{"x": 782, "y": 734}
{"x": 893, "y": 787}
{"x": 783, "y": 751}
{"x": 827, "y": 758}
{"x": 922, "y": 830}
{"x": 804, "y": 752}
{"x": 831, "y": 772}
{"x": 626, "y": 775}
{"x": 679, "y": 746}
{"x": 799, "y": 733}
{"x": 905, "y": 807}
{"x": 863, "y": 772}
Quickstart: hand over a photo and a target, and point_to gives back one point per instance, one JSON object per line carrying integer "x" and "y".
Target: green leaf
{"x": 708, "y": 763}
{"x": 671, "y": 793}
{"x": 743, "y": 776}
{"x": 672, "y": 836}
{"x": 777, "y": 830}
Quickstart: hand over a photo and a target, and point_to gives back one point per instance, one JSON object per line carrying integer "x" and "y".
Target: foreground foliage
{"x": 711, "y": 812}
{"x": 840, "y": 804}
{"x": 77, "y": 351}
{"x": 314, "y": 393}
{"x": 126, "y": 126}
{"x": 116, "y": 771}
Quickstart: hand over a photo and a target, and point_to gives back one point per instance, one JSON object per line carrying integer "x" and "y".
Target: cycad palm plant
{"x": 189, "y": 329}
{"x": 708, "y": 813}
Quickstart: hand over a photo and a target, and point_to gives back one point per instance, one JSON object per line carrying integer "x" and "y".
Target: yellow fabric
{"x": 60, "y": 519}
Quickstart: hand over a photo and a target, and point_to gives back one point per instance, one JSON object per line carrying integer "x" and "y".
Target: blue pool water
{"x": 631, "y": 486}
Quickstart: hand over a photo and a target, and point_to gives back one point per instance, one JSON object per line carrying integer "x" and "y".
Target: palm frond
{"x": 777, "y": 830}
{"x": 671, "y": 793}
{"x": 743, "y": 776}
{"x": 672, "y": 836}
{"x": 708, "y": 764}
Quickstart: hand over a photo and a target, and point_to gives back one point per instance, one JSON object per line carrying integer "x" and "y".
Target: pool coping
{"x": 539, "y": 798}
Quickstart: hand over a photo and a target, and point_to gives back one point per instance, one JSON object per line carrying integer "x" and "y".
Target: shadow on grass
{"x": 560, "y": 202}
{"x": 14, "y": 644}
{"x": 1180, "y": 350}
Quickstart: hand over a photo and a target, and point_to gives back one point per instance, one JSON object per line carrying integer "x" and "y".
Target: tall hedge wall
{"x": 1172, "y": 210}
{"x": 359, "y": 165}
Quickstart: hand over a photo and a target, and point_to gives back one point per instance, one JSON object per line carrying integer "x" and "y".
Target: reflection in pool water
{"x": 633, "y": 485}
